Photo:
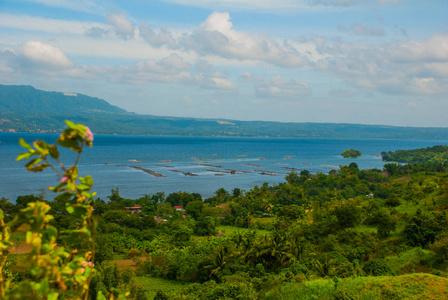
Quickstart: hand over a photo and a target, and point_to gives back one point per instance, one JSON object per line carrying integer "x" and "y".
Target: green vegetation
{"x": 351, "y": 153}
{"x": 435, "y": 154}
{"x": 350, "y": 234}
{"x": 25, "y": 109}
{"x": 154, "y": 286}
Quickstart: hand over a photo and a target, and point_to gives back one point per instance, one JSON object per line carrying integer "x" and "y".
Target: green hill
{"x": 26, "y": 109}
{"x": 21, "y": 98}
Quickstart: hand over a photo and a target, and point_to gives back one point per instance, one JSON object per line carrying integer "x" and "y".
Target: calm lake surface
{"x": 253, "y": 160}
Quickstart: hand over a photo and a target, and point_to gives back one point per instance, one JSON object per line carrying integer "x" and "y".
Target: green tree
{"x": 194, "y": 209}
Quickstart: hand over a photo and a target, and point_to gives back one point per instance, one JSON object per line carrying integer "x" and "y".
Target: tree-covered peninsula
{"x": 435, "y": 154}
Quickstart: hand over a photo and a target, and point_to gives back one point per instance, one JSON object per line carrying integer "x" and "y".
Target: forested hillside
{"x": 24, "y": 99}
{"x": 26, "y": 109}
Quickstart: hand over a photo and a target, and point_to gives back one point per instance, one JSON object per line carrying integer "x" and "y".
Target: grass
{"x": 18, "y": 236}
{"x": 411, "y": 286}
{"x": 231, "y": 230}
{"x": 153, "y": 285}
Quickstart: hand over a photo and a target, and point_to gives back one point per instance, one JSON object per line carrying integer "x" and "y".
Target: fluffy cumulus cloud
{"x": 409, "y": 67}
{"x": 46, "y": 61}
{"x": 123, "y": 27}
{"x": 34, "y": 57}
{"x": 216, "y": 36}
{"x": 276, "y": 87}
{"x": 171, "y": 69}
{"x": 38, "y": 55}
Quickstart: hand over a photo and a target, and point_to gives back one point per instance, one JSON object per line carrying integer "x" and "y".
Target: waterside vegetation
{"x": 351, "y": 153}
{"x": 349, "y": 234}
{"x": 435, "y": 154}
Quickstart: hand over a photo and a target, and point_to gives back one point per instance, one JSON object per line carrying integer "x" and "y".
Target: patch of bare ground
{"x": 125, "y": 263}
{"x": 20, "y": 248}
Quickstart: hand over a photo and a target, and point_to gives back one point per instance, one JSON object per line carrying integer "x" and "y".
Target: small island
{"x": 351, "y": 153}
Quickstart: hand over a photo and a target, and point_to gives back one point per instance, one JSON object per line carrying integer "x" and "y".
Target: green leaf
{"x": 70, "y": 208}
{"x": 29, "y": 235}
{"x": 46, "y": 248}
{"x": 53, "y": 296}
{"x": 54, "y": 153}
{"x": 100, "y": 296}
{"x": 88, "y": 180}
{"x": 70, "y": 123}
{"x": 33, "y": 162}
{"x": 24, "y": 144}
{"x": 68, "y": 143}
{"x": 63, "y": 197}
{"x": 24, "y": 155}
{"x": 44, "y": 286}
{"x": 5, "y": 245}
{"x": 40, "y": 167}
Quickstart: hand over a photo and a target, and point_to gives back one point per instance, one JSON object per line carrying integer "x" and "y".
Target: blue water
{"x": 109, "y": 162}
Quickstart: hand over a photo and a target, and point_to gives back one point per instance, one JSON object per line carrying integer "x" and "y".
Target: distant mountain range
{"x": 26, "y": 109}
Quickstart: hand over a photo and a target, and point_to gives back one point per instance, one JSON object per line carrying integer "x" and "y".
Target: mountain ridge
{"x": 27, "y": 109}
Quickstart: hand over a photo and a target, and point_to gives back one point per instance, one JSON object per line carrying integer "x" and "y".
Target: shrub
{"x": 377, "y": 267}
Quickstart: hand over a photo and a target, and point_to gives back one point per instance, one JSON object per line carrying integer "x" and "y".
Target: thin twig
{"x": 52, "y": 167}
{"x": 79, "y": 155}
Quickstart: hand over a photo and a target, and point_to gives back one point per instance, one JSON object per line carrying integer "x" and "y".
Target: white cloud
{"x": 433, "y": 49}
{"x": 163, "y": 38}
{"x": 275, "y": 5}
{"x": 216, "y": 36}
{"x": 276, "y": 87}
{"x": 171, "y": 69}
{"x": 122, "y": 25}
{"x": 37, "y": 55}
{"x": 264, "y": 4}
{"x": 89, "y": 6}
{"x": 411, "y": 67}
{"x": 96, "y": 32}
{"x": 39, "y": 24}
{"x": 216, "y": 83}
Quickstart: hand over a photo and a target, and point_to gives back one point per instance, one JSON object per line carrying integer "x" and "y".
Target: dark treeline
{"x": 435, "y": 154}
{"x": 311, "y": 232}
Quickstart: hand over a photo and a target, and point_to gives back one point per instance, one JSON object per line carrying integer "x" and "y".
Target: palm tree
{"x": 325, "y": 268}
{"x": 218, "y": 261}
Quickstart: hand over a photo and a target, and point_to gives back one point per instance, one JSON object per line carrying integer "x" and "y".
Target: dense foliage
{"x": 342, "y": 235}
{"x": 351, "y": 153}
{"x": 435, "y": 154}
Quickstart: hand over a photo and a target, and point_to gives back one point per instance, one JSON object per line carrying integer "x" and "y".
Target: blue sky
{"x": 339, "y": 61}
